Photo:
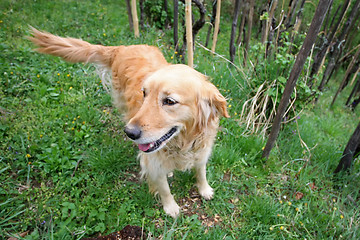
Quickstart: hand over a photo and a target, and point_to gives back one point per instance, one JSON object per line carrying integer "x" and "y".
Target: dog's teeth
{"x": 151, "y": 145}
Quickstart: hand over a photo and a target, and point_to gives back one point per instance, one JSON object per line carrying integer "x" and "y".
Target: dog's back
{"x": 129, "y": 65}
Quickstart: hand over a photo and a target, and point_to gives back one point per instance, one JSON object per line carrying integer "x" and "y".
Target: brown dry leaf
{"x": 23, "y": 234}
{"x": 312, "y": 186}
{"x": 299, "y": 195}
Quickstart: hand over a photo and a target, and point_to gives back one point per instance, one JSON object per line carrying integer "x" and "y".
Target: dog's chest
{"x": 173, "y": 157}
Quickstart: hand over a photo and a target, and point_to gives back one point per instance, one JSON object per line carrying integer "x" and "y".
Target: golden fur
{"x": 172, "y": 111}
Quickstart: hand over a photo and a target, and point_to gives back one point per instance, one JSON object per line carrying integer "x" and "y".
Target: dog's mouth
{"x": 158, "y": 144}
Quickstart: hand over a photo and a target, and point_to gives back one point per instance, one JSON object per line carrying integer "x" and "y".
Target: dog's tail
{"x": 71, "y": 49}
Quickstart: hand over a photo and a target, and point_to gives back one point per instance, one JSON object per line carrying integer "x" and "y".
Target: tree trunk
{"x": 271, "y": 28}
{"x": 128, "y": 8}
{"x": 334, "y": 55}
{"x": 355, "y": 89}
{"x": 263, "y": 25}
{"x": 176, "y": 25}
{"x": 271, "y": 15}
{"x": 189, "y": 36}
{"x": 344, "y": 7}
{"x": 167, "y": 21}
{"x": 217, "y": 23}
{"x": 296, "y": 25}
{"x": 291, "y": 5}
{"x": 319, "y": 57}
{"x": 268, "y": 22}
{"x": 351, "y": 150}
{"x": 356, "y": 74}
{"x": 201, "y": 21}
{"x": 249, "y": 28}
{"x": 291, "y": 13}
{"x": 233, "y": 30}
{"x": 299, "y": 16}
{"x": 241, "y": 28}
{"x": 212, "y": 21}
{"x": 142, "y": 14}
{"x": 326, "y": 21}
{"x": 313, "y": 31}
{"x": 353, "y": 34}
{"x": 347, "y": 75}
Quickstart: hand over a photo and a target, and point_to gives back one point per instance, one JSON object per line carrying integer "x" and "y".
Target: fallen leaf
{"x": 312, "y": 186}
{"x": 23, "y": 234}
{"x": 299, "y": 195}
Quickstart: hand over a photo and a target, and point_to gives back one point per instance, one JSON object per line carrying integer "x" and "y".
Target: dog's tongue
{"x": 144, "y": 147}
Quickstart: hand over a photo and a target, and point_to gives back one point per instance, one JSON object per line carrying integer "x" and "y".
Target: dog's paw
{"x": 172, "y": 209}
{"x": 206, "y": 192}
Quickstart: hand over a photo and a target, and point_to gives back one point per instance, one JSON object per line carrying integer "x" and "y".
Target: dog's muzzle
{"x": 135, "y": 133}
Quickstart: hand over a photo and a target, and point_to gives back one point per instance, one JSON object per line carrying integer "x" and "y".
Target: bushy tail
{"x": 71, "y": 49}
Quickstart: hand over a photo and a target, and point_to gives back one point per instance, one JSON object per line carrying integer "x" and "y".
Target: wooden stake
{"x": 176, "y": 23}
{"x": 351, "y": 150}
{"x": 249, "y": 28}
{"x": 189, "y": 37}
{"x": 300, "y": 60}
{"x": 128, "y": 8}
{"x": 346, "y": 76}
{"x": 135, "y": 18}
{"x": 233, "y": 30}
{"x": 355, "y": 75}
{"x": 217, "y": 23}
{"x": 271, "y": 11}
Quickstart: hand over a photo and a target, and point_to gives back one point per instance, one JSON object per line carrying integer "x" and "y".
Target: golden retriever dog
{"x": 171, "y": 111}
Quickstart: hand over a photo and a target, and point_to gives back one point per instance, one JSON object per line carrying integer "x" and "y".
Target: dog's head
{"x": 176, "y": 98}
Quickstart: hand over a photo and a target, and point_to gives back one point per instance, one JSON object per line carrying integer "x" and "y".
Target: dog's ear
{"x": 219, "y": 101}
{"x": 211, "y": 103}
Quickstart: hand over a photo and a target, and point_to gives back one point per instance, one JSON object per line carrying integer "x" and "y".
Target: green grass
{"x": 67, "y": 170}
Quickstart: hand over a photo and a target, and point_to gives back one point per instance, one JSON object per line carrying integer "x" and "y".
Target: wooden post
{"x": 248, "y": 34}
{"x": 346, "y": 76}
{"x": 299, "y": 16}
{"x": 212, "y": 22}
{"x": 217, "y": 23}
{"x": 135, "y": 18}
{"x": 355, "y": 89}
{"x": 233, "y": 30}
{"x": 351, "y": 150}
{"x": 312, "y": 33}
{"x": 334, "y": 55}
{"x": 142, "y": 14}
{"x": 268, "y": 22}
{"x": 176, "y": 24}
{"x": 128, "y": 8}
{"x": 320, "y": 56}
{"x": 189, "y": 37}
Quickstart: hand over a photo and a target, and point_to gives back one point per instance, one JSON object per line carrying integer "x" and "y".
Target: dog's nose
{"x": 133, "y": 132}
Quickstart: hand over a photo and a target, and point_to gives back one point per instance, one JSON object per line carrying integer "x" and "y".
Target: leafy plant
{"x": 155, "y": 12}
{"x": 267, "y": 83}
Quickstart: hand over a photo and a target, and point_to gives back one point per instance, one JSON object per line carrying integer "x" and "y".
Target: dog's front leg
{"x": 202, "y": 184}
{"x": 160, "y": 185}
{"x": 157, "y": 180}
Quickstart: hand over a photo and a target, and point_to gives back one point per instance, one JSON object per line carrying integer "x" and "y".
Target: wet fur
{"x": 141, "y": 70}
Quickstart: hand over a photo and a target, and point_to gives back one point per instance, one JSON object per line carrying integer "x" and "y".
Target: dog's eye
{"x": 144, "y": 93}
{"x": 169, "y": 101}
